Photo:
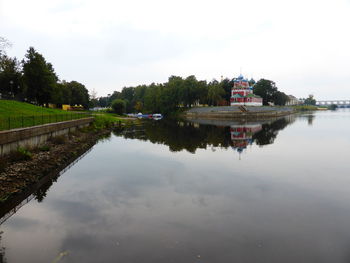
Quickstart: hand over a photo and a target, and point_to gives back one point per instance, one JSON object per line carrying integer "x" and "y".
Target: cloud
{"x": 111, "y": 44}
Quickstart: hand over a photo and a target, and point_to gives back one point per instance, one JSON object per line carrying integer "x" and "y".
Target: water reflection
{"x": 2, "y": 251}
{"x": 203, "y": 134}
{"x": 132, "y": 200}
{"x": 242, "y": 135}
{"x": 38, "y": 191}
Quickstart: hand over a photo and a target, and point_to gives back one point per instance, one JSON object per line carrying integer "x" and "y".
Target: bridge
{"x": 339, "y": 103}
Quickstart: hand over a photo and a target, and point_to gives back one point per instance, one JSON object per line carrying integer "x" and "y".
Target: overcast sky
{"x": 302, "y": 45}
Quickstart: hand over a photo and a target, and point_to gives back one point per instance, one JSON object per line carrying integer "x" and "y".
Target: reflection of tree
{"x": 40, "y": 194}
{"x": 269, "y": 131}
{"x": 181, "y": 135}
{"x": 190, "y": 136}
{"x": 2, "y": 251}
{"x": 310, "y": 119}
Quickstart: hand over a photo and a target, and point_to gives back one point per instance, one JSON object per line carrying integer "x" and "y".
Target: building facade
{"x": 242, "y": 93}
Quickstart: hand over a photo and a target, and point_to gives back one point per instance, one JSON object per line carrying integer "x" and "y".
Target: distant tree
{"x": 227, "y": 85}
{"x": 103, "y": 102}
{"x": 187, "y": 91}
{"x": 152, "y": 98}
{"x": 39, "y": 77}
{"x": 280, "y": 98}
{"x": 114, "y": 96}
{"x": 4, "y": 43}
{"x": 202, "y": 92}
{"x": 138, "y": 106}
{"x": 333, "y": 107}
{"x": 310, "y": 100}
{"x": 80, "y": 94}
{"x": 265, "y": 89}
{"x": 127, "y": 94}
{"x": 119, "y": 106}
{"x": 11, "y": 84}
{"x": 215, "y": 92}
{"x": 57, "y": 95}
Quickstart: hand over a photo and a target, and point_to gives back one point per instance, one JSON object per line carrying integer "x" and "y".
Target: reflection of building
{"x": 242, "y": 135}
{"x": 242, "y": 93}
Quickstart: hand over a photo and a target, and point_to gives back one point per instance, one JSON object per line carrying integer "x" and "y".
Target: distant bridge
{"x": 339, "y": 103}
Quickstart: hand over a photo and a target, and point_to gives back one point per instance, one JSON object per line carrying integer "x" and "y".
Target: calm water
{"x": 180, "y": 192}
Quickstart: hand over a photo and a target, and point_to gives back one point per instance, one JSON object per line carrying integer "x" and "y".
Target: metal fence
{"x": 8, "y": 123}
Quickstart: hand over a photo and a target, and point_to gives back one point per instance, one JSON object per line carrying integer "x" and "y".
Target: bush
{"x": 333, "y": 107}
{"x": 44, "y": 148}
{"x": 21, "y": 154}
{"x": 103, "y": 121}
{"x": 119, "y": 106}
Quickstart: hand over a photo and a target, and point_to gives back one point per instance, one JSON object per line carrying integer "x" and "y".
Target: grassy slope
{"x": 15, "y": 114}
{"x": 10, "y": 108}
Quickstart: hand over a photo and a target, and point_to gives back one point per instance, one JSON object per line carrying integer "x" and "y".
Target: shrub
{"x": 21, "y": 154}
{"x": 119, "y": 106}
{"x": 103, "y": 121}
{"x": 44, "y": 148}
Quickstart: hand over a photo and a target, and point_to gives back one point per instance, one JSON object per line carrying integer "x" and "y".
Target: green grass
{"x": 10, "y": 108}
{"x": 15, "y": 114}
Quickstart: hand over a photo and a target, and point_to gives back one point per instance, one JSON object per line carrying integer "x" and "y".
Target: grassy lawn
{"x": 10, "y": 108}
{"x": 15, "y": 114}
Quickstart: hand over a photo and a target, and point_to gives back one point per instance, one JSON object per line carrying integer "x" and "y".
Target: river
{"x": 275, "y": 191}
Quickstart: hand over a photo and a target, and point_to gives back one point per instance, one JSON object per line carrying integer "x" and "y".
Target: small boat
{"x": 156, "y": 116}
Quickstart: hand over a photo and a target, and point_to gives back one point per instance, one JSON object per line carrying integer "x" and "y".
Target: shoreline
{"x": 19, "y": 177}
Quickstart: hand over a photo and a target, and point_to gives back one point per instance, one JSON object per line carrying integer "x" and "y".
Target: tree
{"x": 310, "y": 100}
{"x": 4, "y": 43}
{"x": 152, "y": 98}
{"x": 265, "y": 89}
{"x": 138, "y": 106}
{"x": 80, "y": 94}
{"x": 114, "y": 96}
{"x": 119, "y": 106}
{"x": 189, "y": 92}
{"x": 280, "y": 98}
{"x": 39, "y": 77}
{"x": 215, "y": 92}
{"x": 11, "y": 85}
{"x": 227, "y": 85}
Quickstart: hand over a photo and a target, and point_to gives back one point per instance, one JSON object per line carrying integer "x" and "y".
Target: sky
{"x": 302, "y": 45}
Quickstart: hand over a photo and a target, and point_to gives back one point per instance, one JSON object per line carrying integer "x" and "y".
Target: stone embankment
{"x": 17, "y": 176}
{"x": 234, "y": 112}
{"x": 30, "y": 137}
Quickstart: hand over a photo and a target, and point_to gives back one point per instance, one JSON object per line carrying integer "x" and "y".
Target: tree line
{"x": 186, "y": 92}
{"x": 34, "y": 80}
